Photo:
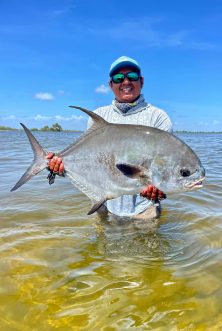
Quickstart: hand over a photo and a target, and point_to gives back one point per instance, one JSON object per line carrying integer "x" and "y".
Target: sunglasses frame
{"x": 126, "y": 76}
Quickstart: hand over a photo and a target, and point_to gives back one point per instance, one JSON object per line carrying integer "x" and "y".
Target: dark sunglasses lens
{"x": 118, "y": 78}
{"x": 133, "y": 76}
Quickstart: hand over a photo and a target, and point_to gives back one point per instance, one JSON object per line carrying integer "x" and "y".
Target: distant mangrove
{"x": 55, "y": 128}
{"x": 6, "y": 128}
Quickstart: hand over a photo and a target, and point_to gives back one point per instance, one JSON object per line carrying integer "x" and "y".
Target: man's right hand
{"x": 153, "y": 193}
{"x": 55, "y": 164}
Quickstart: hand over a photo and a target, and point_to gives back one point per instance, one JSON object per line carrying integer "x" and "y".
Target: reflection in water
{"x": 62, "y": 270}
{"x": 120, "y": 237}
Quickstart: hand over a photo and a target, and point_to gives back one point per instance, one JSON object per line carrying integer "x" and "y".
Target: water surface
{"x": 63, "y": 270}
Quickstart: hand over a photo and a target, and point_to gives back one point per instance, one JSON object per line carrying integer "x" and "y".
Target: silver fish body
{"x": 110, "y": 160}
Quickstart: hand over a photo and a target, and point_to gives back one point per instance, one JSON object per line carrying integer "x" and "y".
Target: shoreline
{"x": 79, "y": 131}
{"x": 39, "y": 130}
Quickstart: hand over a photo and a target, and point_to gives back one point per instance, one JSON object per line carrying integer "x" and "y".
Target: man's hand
{"x": 55, "y": 164}
{"x": 153, "y": 193}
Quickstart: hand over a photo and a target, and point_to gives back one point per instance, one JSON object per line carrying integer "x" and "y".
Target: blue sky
{"x": 57, "y": 53}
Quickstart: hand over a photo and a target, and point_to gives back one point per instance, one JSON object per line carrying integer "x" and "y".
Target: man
{"x": 129, "y": 107}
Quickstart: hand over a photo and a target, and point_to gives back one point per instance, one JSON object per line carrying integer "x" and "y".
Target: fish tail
{"x": 39, "y": 163}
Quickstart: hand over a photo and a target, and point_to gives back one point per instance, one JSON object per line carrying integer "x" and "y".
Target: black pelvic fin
{"x": 96, "y": 206}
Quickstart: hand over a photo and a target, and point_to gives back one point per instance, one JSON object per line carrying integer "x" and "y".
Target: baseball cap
{"x": 124, "y": 61}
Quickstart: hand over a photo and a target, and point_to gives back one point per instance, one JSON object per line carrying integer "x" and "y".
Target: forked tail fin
{"x": 39, "y": 163}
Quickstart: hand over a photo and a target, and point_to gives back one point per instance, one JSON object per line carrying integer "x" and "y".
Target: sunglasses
{"x": 119, "y": 78}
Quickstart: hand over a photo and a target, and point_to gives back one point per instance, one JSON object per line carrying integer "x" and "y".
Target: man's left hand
{"x": 55, "y": 164}
{"x": 153, "y": 193}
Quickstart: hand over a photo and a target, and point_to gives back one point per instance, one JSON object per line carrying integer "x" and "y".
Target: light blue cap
{"x": 124, "y": 61}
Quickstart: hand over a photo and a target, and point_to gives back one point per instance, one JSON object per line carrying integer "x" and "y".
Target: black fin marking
{"x": 96, "y": 206}
{"x": 131, "y": 170}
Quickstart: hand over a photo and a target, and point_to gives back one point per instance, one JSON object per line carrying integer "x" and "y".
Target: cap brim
{"x": 124, "y": 64}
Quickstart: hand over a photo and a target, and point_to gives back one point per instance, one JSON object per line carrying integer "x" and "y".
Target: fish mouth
{"x": 195, "y": 185}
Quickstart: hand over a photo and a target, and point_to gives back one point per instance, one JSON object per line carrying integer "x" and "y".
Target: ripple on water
{"x": 63, "y": 270}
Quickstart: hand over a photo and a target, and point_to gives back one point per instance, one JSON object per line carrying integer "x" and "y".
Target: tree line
{"x": 55, "y": 127}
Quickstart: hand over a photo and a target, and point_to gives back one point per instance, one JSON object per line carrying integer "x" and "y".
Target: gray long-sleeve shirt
{"x": 149, "y": 115}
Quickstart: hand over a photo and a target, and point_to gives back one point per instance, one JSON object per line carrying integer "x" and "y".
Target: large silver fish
{"x": 110, "y": 160}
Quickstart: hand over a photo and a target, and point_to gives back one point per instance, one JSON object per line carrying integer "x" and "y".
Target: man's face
{"x": 127, "y": 91}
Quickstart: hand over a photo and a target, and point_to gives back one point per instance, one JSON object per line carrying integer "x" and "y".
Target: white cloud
{"x": 216, "y": 122}
{"x": 102, "y": 89}
{"x": 152, "y": 33}
{"x": 60, "y": 118}
{"x": 71, "y": 118}
{"x": 10, "y": 117}
{"x": 44, "y": 96}
{"x": 42, "y": 117}
{"x": 61, "y": 92}
{"x": 202, "y": 123}
{"x": 58, "y": 12}
{"x": 63, "y": 11}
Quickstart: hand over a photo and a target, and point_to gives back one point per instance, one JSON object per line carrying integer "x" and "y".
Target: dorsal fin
{"x": 98, "y": 121}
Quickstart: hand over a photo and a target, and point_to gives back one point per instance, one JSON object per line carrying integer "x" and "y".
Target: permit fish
{"x": 110, "y": 160}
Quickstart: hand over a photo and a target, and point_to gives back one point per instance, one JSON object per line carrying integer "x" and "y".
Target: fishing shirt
{"x": 138, "y": 113}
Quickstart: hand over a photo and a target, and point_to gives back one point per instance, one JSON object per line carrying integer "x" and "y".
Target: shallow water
{"x": 63, "y": 270}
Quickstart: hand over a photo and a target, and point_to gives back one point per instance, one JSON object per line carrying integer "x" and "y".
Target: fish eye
{"x": 185, "y": 172}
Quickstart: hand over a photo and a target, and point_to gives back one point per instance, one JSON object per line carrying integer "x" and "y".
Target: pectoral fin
{"x": 96, "y": 206}
{"x": 131, "y": 170}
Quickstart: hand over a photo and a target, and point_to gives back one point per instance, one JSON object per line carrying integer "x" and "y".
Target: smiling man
{"x": 129, "y": 107}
